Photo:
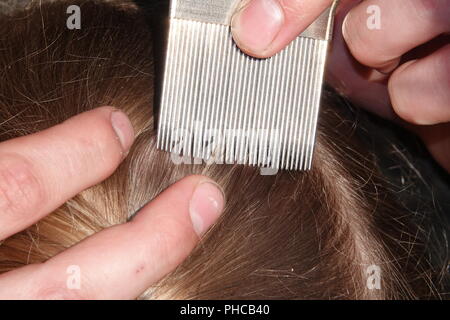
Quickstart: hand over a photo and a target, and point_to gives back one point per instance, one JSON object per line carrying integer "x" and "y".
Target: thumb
{"x": 262, "y": 28}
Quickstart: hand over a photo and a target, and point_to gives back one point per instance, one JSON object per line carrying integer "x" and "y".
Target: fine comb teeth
{"x": 223, "y": 106}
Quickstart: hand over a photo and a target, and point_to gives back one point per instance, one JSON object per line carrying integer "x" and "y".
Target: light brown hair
{"x": 293, "y": 235}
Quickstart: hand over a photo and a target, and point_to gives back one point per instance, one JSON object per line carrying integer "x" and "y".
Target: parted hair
{"x": 293, "y": 235}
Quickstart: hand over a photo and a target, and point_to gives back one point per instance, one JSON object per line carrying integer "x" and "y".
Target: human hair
{"x": 316, "y": 234}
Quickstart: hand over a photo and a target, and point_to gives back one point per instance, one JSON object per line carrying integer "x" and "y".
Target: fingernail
{"x": 123, "y": 129}
{"x": 257, "y": 24}
{"x": 206, "y": 206}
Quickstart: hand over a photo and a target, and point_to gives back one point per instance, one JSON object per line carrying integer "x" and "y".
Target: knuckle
{"x": 52, "y": 284}
{"x": 20, "y": 189}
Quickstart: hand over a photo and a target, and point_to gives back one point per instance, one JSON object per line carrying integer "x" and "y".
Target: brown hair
{"x": 293, "y": 235}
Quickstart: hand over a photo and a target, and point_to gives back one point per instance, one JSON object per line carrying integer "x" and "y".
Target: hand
{"x": 38, "y": 173}
{"x": 262, "y": 28}
{"x": 400, "y": 70}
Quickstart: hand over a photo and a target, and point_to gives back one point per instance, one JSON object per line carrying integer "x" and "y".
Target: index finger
{"x": 262, "y": 28}
{"x": 39, "y": 172}
{"x": 122, "y": 261}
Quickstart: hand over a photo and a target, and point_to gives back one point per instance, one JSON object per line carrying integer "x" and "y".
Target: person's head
{"x": 327, "y": 233}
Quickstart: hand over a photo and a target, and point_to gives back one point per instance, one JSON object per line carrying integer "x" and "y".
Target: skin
{"x": 38, "y": 173}
{"x": 400, "y": 71}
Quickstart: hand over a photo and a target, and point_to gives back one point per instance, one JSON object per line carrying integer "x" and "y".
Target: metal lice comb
{"x": 223, "y": 106}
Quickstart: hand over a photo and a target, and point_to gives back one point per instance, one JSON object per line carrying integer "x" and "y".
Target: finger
{"x": 420, "y": 89}
{"x": 379, "y": 32}
{"x": 123, "y": 261}
{"x": 262, "y": 28}
{"x": 364, "y": 86}
{"x": 41, "y": 171}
